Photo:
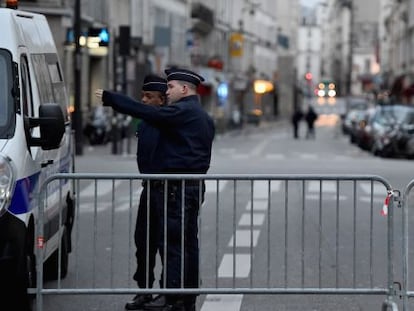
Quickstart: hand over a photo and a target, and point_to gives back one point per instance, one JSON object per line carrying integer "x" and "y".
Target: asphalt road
{"x": 285, "y": 247}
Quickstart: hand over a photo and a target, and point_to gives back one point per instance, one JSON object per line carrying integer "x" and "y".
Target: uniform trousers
{"x": 180, "y": 232}
{"x": 181, "y": 241}
{"x": 148, "y": 233}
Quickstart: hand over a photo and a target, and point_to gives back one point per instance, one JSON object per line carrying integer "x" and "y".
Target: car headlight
{"x": 7, "y": 182}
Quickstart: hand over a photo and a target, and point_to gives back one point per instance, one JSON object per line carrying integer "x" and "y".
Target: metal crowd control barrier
{"x": 408, "y": 291}
{"x": 287, "y": 234}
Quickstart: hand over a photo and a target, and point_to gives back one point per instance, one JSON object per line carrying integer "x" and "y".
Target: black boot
{"x": 176, "y": 306}
{"x": 156, "y": 304}
{"x": 137, "y": 303}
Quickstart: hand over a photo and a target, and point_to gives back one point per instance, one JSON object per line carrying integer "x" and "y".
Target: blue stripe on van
{"x": 20, "y": 203}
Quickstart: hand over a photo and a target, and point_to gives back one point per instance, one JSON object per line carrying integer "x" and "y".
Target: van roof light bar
{"x": 12, "y": 4}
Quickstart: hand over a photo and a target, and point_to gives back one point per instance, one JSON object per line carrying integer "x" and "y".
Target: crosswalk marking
{"x": 379, "y": 189}
{"x": 327, "y": 186}
{"x": 222, "y": 303}
{"x": 242, "y": 266}
{"x": 103, "y": 187}
{"x": 246, "y": 219}
{"x": 332, "y": 197}
{"x": 244, "y": 238}
{"x": 275, "y": 156}
{"x": 258, "y": 205}
{"x": 261, "y": 188}
{"x": 211, "y": 185}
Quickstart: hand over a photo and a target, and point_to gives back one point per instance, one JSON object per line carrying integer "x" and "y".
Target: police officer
{"x": 186, "y": 136}
{"x": 148, "y": 159}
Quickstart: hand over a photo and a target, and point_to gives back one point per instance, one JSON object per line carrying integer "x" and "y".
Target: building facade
{"x": 232, "y": 43}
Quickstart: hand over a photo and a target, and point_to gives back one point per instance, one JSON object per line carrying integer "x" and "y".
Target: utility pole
{"x": 77, "y": 114}
{"x": 351, "y": 47}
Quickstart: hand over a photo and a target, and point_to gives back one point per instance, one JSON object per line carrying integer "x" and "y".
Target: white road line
{"x": 331, "y": 197}
{"x": 375, "y": 199}
{"x": 275, "y": 156}
{"x": 211, "y": 185}
{"x": 242, "y": 266}
{"x": 245, "y": 219}
{"x": 258, "y": 205}
{"x": 379, "y": 189}
{"x": 240, "y": 156}
{"x": 222, "y": 303}
{"x": 309, "y": 156}
{"x": 103, "y": 187}
{"x": 259, "y": 148}
{"x": 243, "y": 238}
{"x": 261, "y": 188}
{"x": 327, "y": 186}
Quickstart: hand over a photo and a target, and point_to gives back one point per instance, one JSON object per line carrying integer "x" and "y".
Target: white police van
{"x": 35, "y": 142}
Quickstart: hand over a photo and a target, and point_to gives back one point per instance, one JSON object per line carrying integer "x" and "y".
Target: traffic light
{"x": 308, "y": 76}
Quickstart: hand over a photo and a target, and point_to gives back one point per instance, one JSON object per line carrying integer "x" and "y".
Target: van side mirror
{"x": 52, "y": 127}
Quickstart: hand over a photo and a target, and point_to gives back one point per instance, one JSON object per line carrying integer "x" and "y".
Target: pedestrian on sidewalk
{"x": 296, "y": 118}
{"x": 186, "y": 137}
{"x": 310, "y": 118}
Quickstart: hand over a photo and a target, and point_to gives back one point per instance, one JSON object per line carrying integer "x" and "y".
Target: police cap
{"x": 183, "y": 75}
{"x": 154, "y": 83}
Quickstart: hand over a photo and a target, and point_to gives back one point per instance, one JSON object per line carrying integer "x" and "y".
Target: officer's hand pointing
{"x": 98, "y": 94}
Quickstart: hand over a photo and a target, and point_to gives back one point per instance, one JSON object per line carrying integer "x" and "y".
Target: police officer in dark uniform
{"x": 149, "y": 162}
{"x": 186, "y": 136}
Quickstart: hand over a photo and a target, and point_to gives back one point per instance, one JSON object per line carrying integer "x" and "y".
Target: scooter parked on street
{"x": 98, "y": 127}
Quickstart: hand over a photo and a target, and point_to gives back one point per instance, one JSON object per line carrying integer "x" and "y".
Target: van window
{"x": 27, "y": 102}
{"x": 7, "y": 100}
{"x": 50, "y": 81}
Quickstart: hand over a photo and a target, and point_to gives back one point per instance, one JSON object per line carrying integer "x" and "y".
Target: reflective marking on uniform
{"x": 258, "y": 219}
{"x": 222, "y": 303}
{"x": 242, "y": 266}
{"x": 243, "y": 238}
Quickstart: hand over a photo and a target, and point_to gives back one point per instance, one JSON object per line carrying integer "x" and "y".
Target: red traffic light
{"x": 308, "y": 76}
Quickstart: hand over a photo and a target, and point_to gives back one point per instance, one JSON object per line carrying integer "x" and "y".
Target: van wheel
{"x": 51, "y": 266}
{"x": 14, "y": 268}
{"x": 31, "y": 276}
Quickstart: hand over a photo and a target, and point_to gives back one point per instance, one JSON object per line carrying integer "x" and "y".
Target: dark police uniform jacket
{"x": 149, "y": 157}
{"x": 186, "y": 130}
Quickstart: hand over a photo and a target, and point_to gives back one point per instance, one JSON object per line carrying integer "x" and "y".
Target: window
{"x": 50, "y": 81}
{"x": 8, "y": 87}
{"x": 27, "y": 99}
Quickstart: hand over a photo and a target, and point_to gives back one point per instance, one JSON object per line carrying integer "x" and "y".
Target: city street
{"x": 266, "y": 149}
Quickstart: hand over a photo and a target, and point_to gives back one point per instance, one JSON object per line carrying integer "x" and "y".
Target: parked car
{"x": 359, "y": 103}
{"x": 351, "y": 121}
{"x": 393, "y": 133}
{"x": 363, "y": 133}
